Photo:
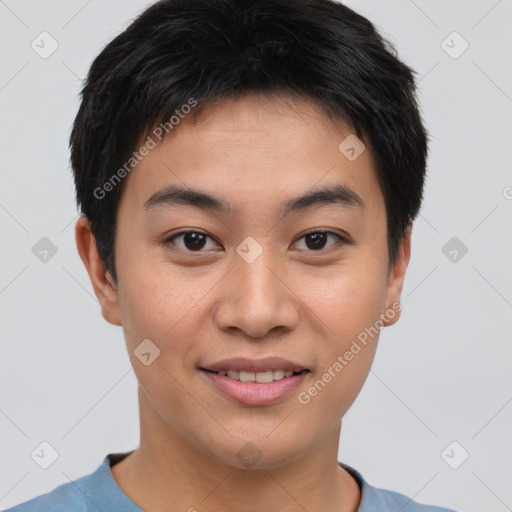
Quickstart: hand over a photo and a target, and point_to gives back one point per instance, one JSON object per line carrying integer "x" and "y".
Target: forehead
{"x": 250, "y": 151}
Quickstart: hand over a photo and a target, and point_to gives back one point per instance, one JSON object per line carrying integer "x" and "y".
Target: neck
{"x": 168, "y": 469}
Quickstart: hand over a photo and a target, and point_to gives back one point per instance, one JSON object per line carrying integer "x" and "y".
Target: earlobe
{"x": 101, "y": 280}
{"x": 392, "y": 309}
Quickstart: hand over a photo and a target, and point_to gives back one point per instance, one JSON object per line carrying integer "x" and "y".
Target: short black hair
{"x": 210, "y": 50}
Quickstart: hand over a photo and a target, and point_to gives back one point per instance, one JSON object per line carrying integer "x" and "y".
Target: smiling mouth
{"x": 258, "y": 377}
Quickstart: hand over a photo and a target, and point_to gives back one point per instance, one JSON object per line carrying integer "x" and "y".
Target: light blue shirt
{"x": 99, "y": 492}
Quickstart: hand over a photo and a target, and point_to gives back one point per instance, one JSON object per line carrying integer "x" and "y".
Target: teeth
{"x": 264, "y": 376}
{"x": 261, "y": 377}
{"x": 247, "y": 376}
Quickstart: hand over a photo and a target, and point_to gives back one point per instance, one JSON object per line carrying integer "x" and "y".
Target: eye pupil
{"x": 318, "y": 240}
{"x": 194, "y": 240}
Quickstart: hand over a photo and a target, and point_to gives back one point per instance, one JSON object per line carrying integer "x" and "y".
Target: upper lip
{"x": 255, "y": 365}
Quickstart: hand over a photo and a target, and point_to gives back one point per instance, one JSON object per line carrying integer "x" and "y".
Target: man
{"x": 248, "y": 173}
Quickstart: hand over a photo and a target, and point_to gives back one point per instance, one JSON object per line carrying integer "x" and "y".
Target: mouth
{"x": 256, "y": 383}
{"x": 260, "y": 377}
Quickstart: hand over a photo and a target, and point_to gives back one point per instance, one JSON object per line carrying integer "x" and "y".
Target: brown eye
{"x": 192, "y": 241}
{"x": 317, "y": 240}
{"x": 195, "y": 241}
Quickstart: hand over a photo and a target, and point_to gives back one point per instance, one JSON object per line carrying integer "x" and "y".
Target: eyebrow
{"x": 173, "y": 195}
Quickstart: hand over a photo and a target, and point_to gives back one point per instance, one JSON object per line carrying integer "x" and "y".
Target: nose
{"x": 257, "y": 298}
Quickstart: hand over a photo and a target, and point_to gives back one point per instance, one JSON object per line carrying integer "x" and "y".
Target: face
{"x": 258, "y": 276}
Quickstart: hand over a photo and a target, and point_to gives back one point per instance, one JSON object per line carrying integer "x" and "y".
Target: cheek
{"x": 345, "y": 351}
{"x": 347, "y": 301}
{"x": 156, "y": 296}
{"x": 164, "y": 311}
{"x": 348, "y": 307}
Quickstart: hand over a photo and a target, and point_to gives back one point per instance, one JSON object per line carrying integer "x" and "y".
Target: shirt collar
{"x": 105, "y": 492}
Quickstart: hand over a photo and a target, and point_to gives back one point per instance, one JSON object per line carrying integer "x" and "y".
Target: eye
{"x": 316, "y": 240}
{"x": 195, "y": 241}
{"x": 192, "y": 241}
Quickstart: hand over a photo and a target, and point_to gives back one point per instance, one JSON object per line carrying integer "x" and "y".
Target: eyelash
{"x": 342, "y": 240}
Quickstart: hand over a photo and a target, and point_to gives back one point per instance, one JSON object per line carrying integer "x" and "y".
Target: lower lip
{"x": 255, "y": 393}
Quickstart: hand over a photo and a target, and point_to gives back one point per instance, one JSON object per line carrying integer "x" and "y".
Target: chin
{"x": 258, "y": 452}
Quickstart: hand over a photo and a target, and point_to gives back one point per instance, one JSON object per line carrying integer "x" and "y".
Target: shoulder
{"x": 93, "y": 492}
{"x": 374, "y": 499}
{"x": 79, "y": 495}
{"x": 65, "y": 498}
{"x": 383, "y": 500}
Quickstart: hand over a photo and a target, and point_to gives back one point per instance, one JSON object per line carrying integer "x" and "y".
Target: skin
{"x": 293, "y": 301}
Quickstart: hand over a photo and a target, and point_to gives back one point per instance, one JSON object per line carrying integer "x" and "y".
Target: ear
{"x": 102, "y": 282}
{"x": 396, "y": 280}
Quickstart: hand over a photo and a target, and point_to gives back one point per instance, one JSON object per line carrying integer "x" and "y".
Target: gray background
{"x": 442, "y": 374}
